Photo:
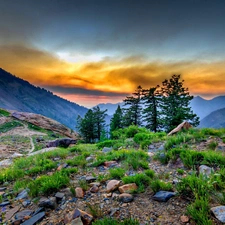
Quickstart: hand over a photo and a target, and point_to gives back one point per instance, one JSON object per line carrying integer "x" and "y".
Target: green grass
{"x": 117, "y": 173}
{"x": 158, "y": 185}
{"x": 9, "y": 126}
{"x": 4, "y": 112}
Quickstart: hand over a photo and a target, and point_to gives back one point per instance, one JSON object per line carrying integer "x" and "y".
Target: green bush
{"x": 4, "y": 112}
{"x": 117, "y": 173}
{"x": 111, "y": 221}
{"x": 150, "y": 173}
{"x": 107, "y": 143}
{"x": 140, "y": 137}
{"x": 131, "y": 131}
{"x": 158, "y": 185}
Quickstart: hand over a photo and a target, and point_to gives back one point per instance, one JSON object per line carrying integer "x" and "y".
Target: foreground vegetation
{"x": 129, "y": 149}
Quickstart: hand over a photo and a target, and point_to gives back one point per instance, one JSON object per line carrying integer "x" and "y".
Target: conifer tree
{"x": 151, "y": 114}
{"x": 92, "y": 125}
{"x": 117, "y": 120}
{"x": 133, "y": 113}
{"x": 175, "y": 104}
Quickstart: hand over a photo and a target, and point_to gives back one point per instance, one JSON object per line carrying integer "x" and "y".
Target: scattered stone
{"x": 20, "y": 215}
{"x": 219, "y": 213}
{"x": 110, "y": 163}
{"x": 48, "y": 203}
{"x": 33, "y": 220}
{"x": 205, "y": 170}
{"x": 175, "y": 164}
{"x": 94, "y": 189}
{"x": 112, "y": 185}
{"x": 161, "y": 147}
{"x": 106, "y": 149}
{"x": 98, "y": 184}
{"x": 128, "y": 188}
{"x": 125, "y": 197}
{"x": 79, "y": 192}
{"x": 22, "y": 195}
{"x": 163, "y": 196}
{"x": 184, "y": 219}
{"x": 86, "y": 218}
{"x": 76, "y": 221}
{"x": 89, "y": 159}
{"x": 9, "y": 214}
{"x": 64, "y": 165}
{"x": 41, "y": 209}
{"x": 3, "y": 188}
{"x": 59, "y": 196}
{"x": 113, "y": 211}
{"x": 26, "y": 203}
{"x": 90, "y": 179}
{"x": 5, "y": 203}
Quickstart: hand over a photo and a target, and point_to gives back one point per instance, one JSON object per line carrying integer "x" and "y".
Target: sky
{"x": 99, "y": 51}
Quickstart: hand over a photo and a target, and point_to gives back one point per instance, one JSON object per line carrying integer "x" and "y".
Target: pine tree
{"x": 117, "y": 120}
{"x": 86, "y": 126}
{"x": 99, "y": 121}
{"x": 175, "y": 104}
{"x": 151, "y": 112}
{"x": 133, "y": 113}
{"x": 91, "y": 127}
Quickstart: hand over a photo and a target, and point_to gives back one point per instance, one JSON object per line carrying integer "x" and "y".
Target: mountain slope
{"x": 203, "y": 107}
{"x": 215, "y": 119}
{"x": 20, "y": 95}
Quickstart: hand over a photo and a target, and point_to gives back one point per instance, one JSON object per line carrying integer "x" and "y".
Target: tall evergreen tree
{"x": 133, "y": 113}
{"x": 92, "y": 125}
{"x": 117, "y": 120}
{"x": 99, "y": 121}
{"x": 175, "y": 104}
{"x": 86, "y": 126}
{"x": 151, "y": 98}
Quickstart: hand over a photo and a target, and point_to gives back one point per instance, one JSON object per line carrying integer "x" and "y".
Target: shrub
{"x": 117, "y": 173}
{"x": 107, "y": 143}
{"x": 110, "y": 221}
{"x": 158, "y": 185}
{"x": 4, "y": 112}
{"x": 131, "y": 131}
{"x": 212, "y": 145}
{"x": 139, "y": 137}
{"x": 150, "y": 173}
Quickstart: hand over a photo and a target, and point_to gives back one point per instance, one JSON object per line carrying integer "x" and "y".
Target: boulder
{"x": 112, "y": 185}
{"x": 205, "y": 170}
{"x": 128, "y": 188}
{"x": 185, "y": 125}
{"x": 219, "y": 213}
{"x": 125, "y": 198}
{"x": 44, "y": 122}
{"x": 163, "y": 196}
{"x": 63, "y": 142}
{"x": 79, "y": 192}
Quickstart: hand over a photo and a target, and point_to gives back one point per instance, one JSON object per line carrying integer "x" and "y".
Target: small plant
{"x": 158, "y": 185}
{"x": 83, "y": 184}
{"x": 117, "y": 173}
{"x": 103, "y": 177}
{"x": 180, "y": 171}
{"x": 110, "y": 221}
{"x": 150, "y": 173}
{"x": 95, "y": 210}
{"x": 212, "y": 145}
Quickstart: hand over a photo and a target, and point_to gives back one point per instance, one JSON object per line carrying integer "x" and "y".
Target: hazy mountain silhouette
{"x": 215, "y": 119}
{"x": 20, "y": 95}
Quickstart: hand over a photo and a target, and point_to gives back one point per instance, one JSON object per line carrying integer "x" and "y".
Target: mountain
{"x": 20, "y": 95}
{"x": 111, "y": 108}
{"x": 215, "y": 119}
{"x": 203, "y": 107}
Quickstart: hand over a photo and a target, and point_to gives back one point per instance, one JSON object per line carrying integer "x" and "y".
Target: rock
{"x": 220, "y": 147}
{"x": 110, "y": 163}
{"x": 4, "y": 203}
{"x": 79, "y": 192}
{"x": 106, "y": 149}
{"x": 62, "y": 166}
{"x": 205, "y": 170}
{"x": 22, "y": 195}
{"x": 9, "y": 214}
{"x": 22, "y": 214}
{"x": 175, "y": 164}
{"x": 128, "y": 188}
{"x": 184, "y": 125}
{"x": 94, "y": 189}
{"x": 89, "y": 159}
{"x": 219, "y": 213}
{"x": 86, "y": 218}
{"x": 112, "y": 185}
{"x": 76, "y": 221}
{"x": 6, "y": 162}
{"x": 44, "y": 122}
{"x": 63, "y": 142}
{"x": 113, "y": 211}
{"x": 98, "y": 184}
{"x": 48, "y": 203}
{"x": 41, "y": 209}
{"x": 90, "y": 179}
{"x": 59, "y": 196}
{"x": 26, "y": 203}
{"x": 161, "y": 147}
{"x": 125, "y": 197}
{"x": 16, "y": 155}
{"x": 3, "y": 188}
{"x": 163, "y": 196}
{"x": 184, "y": 219}
{"x": 33, "y": 220}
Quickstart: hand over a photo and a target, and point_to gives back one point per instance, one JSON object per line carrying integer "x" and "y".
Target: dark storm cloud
{"x": 83, "y": 91}
{"x": 122, "y": 26}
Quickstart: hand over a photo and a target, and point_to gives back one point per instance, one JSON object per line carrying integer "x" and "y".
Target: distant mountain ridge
{"x": 216, "y": 119}
{"x": 18, "y": 94}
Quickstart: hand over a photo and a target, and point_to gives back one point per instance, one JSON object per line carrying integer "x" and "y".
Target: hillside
{"x": 215, "y": 119}
{"x": 145, "y": 178}
{"x": 20, "y": 95}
